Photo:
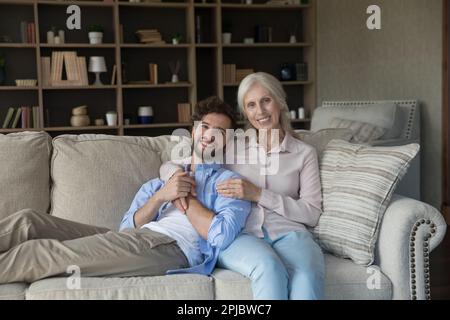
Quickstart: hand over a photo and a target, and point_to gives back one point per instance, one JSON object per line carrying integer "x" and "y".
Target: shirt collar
{"x": 201, "y": 166}
{"x": 287, "y": 145}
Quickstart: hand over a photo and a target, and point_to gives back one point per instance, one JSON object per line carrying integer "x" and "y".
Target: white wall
{"x": 403, "y": 60}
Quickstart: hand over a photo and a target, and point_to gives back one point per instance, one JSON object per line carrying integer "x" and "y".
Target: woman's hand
{"x": 239, "y": 189}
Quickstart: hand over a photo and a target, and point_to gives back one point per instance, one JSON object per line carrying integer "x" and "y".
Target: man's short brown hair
{"x": 214, "y": 105}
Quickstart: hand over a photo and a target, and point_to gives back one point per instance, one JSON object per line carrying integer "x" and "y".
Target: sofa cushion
{"x": 344, "y": 280}
{"x": 357, "y": 184}
{"x": 363, "y": 132}
{"x": 321, "y": 138}
{"x": 173, "y": 287}
{"x": 24, "y": 172}
{"x": 380, "y": 114}
{"x": 95, "y": 177}
{"x": 13, "y": 291}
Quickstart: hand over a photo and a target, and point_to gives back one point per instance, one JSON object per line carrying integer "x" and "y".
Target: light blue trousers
{"x": 289, "y": 267}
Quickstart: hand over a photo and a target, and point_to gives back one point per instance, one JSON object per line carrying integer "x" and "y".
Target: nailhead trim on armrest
{"x": 426, "y": 258}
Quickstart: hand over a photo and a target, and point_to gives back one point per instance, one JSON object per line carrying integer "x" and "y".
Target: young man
{"x": 155, "y": 237}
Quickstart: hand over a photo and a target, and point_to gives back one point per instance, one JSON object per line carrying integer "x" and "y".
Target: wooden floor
{"x": 440, "y": 270}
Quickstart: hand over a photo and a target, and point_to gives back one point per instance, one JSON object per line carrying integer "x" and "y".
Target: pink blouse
{"x": 290, "y": 199}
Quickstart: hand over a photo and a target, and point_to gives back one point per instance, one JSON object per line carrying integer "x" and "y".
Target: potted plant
{"x": 2, "y": 69}
{"x": 95, "y": 33}
{"x": 176, "y": 39}
{"x": 226, "y": 32}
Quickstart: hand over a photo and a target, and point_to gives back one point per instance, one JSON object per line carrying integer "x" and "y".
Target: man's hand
{"x": 179, "y": 186}
{"x": 239, "y": 189}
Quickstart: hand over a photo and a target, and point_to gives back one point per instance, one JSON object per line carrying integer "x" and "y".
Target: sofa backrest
{"x": 405, "y": 123}
{"x": 24, "y": 172}
{"x": 95, "y": 177}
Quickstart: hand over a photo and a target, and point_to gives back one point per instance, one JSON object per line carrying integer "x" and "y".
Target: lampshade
{"x": 97, "y": 64}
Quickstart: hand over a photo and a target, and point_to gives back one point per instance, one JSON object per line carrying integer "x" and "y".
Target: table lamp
{"x": 97, "y": 65}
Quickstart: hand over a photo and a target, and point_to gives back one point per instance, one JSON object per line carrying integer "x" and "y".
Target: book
{"x": 45, "y": 66}
{"x": 16, "y": 118}
{"x": 35, "y": 112}
{"x": 8, "y": 117}
{"x": 56, "y": 68}
{"x": 153, "y": 70}
{"x": 24, "y": 31}
{"x": 31, "y": 32}
{"x": 24, "y": 117}
{"x": 184, "y": 112}
{"x": 242, "y": 73}
{"x": 114, "y": 74}
{"x": 83, "y": 70}
{"x": 70, "y": 62}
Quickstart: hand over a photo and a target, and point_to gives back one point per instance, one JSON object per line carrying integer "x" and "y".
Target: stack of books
{"x": 184, "y": 112}
{"x": 242, "y": 73}
{"x": 149, "y": 36}
{"x": 29, "y": 117}
{"x": 75, "y": 67}
{"x": 229, "y": 73}
{"x": 27, "y": 32}
{"x": 153, "y": 70}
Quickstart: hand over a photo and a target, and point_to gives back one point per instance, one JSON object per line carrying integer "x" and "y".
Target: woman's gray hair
{"x": 275, "y": 89}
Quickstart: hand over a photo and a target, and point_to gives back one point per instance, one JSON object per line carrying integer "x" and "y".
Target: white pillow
{"x": 381, "y": 115}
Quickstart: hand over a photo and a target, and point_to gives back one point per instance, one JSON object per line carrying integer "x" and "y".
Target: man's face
{"x": 209, "y": 136}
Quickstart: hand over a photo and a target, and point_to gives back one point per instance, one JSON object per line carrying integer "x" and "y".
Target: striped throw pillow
{"x": 357, "y": 185}
{"x": 362, "y": 132}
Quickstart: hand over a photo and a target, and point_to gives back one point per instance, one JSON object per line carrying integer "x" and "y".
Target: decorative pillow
{"x": 321, "y": 138}
{"x": 24, "y": 172}
{"x": 95, "y": 177}
{"x": 357, "y": 185}
{"x": 380, "y": 114}
{"x": 362, "y": 132}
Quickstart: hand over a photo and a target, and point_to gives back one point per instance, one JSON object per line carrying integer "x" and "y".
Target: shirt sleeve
{"x": 167, "y": 170}
{"x": 146, "y": 191}
{"x": 231, "y": 216}
{"x": 308, "y": 208}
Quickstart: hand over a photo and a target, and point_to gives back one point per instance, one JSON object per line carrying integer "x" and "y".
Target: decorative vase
{"x": 50, "y": 37}
{"x": 80, "y": 121}
{"x": 226, "y": 37}
{"x": 95, "y": 37}
{"x": 175, "y": 78}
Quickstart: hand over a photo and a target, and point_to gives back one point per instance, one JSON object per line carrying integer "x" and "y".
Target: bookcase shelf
{"x": 155, "y": 46}
{"x": 201, "y": 54}
{"x": 264, "y": 6}
{"x": 91, "y": 87}
{"x": 163, "y": 5}
{"x": 78, "y": 3}
{"x": 18, "y": 88}
{"x": 267, "y": 45}
{"x": 18, "y": 45}
{"x": 156, "y": 86}
{"x": 88, "y": 128}
{"x": 157, "y": 125}
{"x": 78, "y": 45}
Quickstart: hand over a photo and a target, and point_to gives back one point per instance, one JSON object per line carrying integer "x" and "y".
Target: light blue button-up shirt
{"x": 229, "y": 220}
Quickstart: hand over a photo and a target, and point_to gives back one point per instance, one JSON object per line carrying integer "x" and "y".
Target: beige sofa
{"x": 93, "y": 178}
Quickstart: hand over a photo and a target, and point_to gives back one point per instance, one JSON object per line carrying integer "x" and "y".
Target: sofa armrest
{"x": 410, "y": 230}
{"x": 392, "y": 142}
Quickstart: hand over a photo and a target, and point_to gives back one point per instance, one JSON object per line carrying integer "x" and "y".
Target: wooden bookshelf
{"x": 201, "y": 62}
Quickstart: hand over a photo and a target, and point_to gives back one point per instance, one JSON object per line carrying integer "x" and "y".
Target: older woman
{"x": 275, "y": 250}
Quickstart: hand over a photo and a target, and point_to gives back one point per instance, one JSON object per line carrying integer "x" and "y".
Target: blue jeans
{"x": 289, "y": 267}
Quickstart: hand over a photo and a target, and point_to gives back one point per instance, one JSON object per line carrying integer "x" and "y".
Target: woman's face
{"x": 261, "y": 109}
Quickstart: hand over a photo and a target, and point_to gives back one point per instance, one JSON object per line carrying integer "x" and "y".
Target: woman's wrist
{"x": 257, "y": 196}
